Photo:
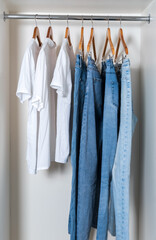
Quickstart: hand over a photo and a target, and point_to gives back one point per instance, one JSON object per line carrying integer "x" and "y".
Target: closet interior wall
{"x": 40, "y": 204}
{"x": 4, "y": 129}
{"x": 147, "y": 203}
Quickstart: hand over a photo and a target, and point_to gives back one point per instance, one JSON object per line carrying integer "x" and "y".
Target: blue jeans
{"x": 90, "y": 152}
{"x": 79, "y": 94}
{"x": 110, "y": 133}
{"x": 121, "y": 168}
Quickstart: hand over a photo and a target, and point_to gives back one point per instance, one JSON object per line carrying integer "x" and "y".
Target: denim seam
{"x": 98, "y": 103}
{"x": 73, "y": 216}
{"x": 113, "y": 94}
{"x": 84, "y": 119}
{"x": 124, "y": 156}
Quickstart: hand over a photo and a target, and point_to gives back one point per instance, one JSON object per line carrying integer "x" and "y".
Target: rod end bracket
{"x": 149, "y": 18}
{"x": 4, "y": 18}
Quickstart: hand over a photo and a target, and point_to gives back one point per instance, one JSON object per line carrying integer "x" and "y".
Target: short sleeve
{"x": 40, "y": 90}
{"x": 63, "y": 83}
{"x": 61, "y": 74}
{"x": 24, "y": 88}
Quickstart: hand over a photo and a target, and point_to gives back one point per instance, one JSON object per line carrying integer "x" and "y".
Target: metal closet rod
{"x": 77, "y": 17}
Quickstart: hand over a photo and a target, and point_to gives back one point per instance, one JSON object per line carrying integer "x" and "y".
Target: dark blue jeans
{"x": 90, "y": 152}
{"x": 79, "y": 94}
{"x": 110, "y": 133}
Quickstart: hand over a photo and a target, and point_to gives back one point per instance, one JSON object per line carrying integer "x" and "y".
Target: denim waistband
{"x": 92, "y": 67}
{"x": 109, "y": 63}
{"x": 80, "y": 62}
{"x": 126, "y": 63}
{"x": 91, "y": 63}
{"x": 110, "y": 66}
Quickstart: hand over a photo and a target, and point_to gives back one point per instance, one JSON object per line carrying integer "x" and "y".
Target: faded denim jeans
{"x": 90, "y": 153}
{"x": 121, "y": 168}
{"x": 79, "y": 94}
{"x": 110, "y": 134}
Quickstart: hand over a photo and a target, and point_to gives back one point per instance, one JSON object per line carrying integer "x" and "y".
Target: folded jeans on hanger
{"x": 110, "y": 134}
{"x": 79, "y": 95}
{"x": 90, "y": 152}
{"x": 121, "y": 168}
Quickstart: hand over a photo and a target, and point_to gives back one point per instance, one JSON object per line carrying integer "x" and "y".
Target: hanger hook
{"x": 92, "y": 21}
{"x": 35, "y": 20}
{"x": 67, "y": 21}
{"x": 108, "y": 21}
{"x": 120, "y": 21}
{"x": 82, "y": 20}
{"x": 49, "y": 20}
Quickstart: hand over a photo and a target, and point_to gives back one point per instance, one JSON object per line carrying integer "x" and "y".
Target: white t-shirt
{"x": 25, "y": 92}
{"x": 44, "y": 100}
{"x": 63, "y": 80}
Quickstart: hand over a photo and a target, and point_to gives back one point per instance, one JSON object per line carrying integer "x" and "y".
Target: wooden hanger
{"x": 120, "y": 38}
{"x": 67, "y": 33}
{"x": 50, "y": 31}
{"x": 108, "y": 39}
{"x": 81, "y": 43}
{"x": 36, "y": 34}
{"x": 91, "y": 41}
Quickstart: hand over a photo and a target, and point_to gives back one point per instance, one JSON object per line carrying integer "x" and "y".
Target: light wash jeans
{"x": 110, "y": 134}
{"x": 121, "y": 167}
{"x": 79, "y": 94}
{"x": 90, "y": 152}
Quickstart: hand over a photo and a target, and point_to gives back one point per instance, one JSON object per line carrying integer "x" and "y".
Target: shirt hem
{"x": 34, "y": 172}
{"x": 58, "y": 161}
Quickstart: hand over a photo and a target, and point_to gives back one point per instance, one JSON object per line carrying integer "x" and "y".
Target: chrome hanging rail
{"x": 77, "y": 17}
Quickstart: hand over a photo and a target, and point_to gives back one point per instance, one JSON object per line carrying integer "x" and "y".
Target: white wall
{"x": 40, "y": 204}
{"x": 147, "y": 212}
{"x": 4, "y": 127}
{"x": 69, "y": 6}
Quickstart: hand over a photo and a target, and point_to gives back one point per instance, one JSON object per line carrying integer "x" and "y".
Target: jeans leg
{"x": 121, "y": 168}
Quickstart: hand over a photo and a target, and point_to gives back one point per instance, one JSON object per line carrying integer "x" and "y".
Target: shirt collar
{"x": 50, "y": 42}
